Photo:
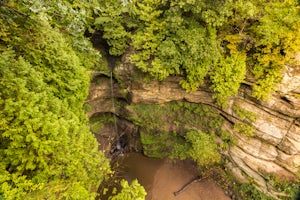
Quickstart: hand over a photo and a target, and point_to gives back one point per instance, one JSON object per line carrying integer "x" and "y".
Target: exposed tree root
{"x": 187, "y": 185}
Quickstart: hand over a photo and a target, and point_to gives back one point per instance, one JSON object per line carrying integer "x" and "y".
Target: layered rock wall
{"x": 275, "y": 146}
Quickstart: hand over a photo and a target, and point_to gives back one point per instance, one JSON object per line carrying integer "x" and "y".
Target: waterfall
{"x": 114, "y": 109}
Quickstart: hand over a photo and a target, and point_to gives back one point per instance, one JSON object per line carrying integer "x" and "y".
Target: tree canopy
{"x": 46, "y": 148}
{"x": 129, "y": 192}
{"x": 206, "y": 39}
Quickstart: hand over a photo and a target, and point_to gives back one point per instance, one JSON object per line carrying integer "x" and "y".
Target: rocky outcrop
{"x": 275, "y": 146}
{"x": 99, "y": 99}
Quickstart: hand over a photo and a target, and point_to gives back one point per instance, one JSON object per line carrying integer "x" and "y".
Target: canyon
{"x": 273, "y": 149}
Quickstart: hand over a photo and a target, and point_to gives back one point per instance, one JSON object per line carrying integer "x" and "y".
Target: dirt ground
{"x": 170, "y": 177}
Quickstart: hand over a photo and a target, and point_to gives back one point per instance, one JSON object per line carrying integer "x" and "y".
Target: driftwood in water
{"x": 187, "y": 185}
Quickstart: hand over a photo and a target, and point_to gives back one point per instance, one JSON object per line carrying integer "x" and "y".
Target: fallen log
{"x": 187, "y": 185}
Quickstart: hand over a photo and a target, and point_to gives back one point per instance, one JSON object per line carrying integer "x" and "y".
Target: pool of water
{"x": 137, "y": 166}
{"x": 162, "y": 177}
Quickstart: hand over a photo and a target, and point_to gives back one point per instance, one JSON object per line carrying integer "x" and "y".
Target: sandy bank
{"x": 170, "y": 177}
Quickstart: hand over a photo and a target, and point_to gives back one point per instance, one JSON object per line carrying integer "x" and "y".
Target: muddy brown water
{"x": 136, "y": 166}
{"x": 162, "y": 177}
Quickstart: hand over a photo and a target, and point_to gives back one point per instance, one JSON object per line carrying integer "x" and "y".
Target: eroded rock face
{"x": 275, "y": 146}
{"x": 100, "y": 95}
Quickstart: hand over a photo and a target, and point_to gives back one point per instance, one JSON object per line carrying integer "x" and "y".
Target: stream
{"x": 162, "y": 177}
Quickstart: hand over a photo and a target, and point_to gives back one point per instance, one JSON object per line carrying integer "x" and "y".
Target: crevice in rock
{"x": 285, "y": 99}
{"x": 289, "y": 128}
{"x": 227, "y": 119}
{"x": 98, "y": 75}
{"x": 275, "y": 113}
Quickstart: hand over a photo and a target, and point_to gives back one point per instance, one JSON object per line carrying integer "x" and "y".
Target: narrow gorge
{"x": 266, "y": 134}
{"x": 96, "y": 93}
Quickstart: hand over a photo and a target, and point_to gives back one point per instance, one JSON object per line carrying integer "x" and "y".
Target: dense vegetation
{"x": 46, "y": 148}
{"x": 221, "y": 40}
{"x": 134, "y": 191}
{"x": 180, "y": 130}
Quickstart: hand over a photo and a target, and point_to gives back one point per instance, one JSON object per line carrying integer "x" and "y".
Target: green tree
{"x": 45, "y": 145}
{"x": 269, "y": 33}
{"x": 199, "y": 146}
{"x": 113, "y": 26}
{"x": 129, "y": 192}
{"x": 46, "y": 149}
{"x": 277, "y": 34}
{"x": 227, "y": 77}
{"x": 194, "y": 39}
{"x": 203, "y": 148}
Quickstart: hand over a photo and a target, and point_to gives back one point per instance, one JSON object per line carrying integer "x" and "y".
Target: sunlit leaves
{"x": 147, "y": 39}
{"x": 194, "y": 38}
{"x": 111, "y": 23}
{"x": 204, "y": 149}
{"x": 129, "y": 192}
{"x": 277, "y": 36}
{"x": 266, "y": 85}
{"x": 59, "y": 62}
{"x": 46, "y": 149}
{"x": 227, "y": 77}
{"x": 41, "y": 137}
{"x": 199, "y": 146}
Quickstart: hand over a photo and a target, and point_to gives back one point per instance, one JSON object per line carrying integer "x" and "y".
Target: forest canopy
{"x": 224, "y": 41}
{"x": 46, "y": 148}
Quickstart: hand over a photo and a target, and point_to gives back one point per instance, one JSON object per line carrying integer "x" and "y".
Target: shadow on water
{"x": 162, "y": 177}
{"x": 136, "y": 166}
{"x": 132, "y": 166}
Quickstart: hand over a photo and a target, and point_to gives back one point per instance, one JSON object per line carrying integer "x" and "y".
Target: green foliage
{"x": 129, "y": 192}
{"x": 45, "y": 143}
{"x": 206, "y": 39}
{"x": 283, "y": 185}
{"x": 227, "y": 77}
{"x": 111, "y": 23}
{"x": 203, "y": 148}
{"x": 63, "y": 61}
{"x": 99, "y": 121}
{"x": 149, "y": 116}
{"x": 169, "y": 130}
{"x": 244, "y": 114}
{"x": 158, "y": 145}
{"x": 244, "y": 129}
{"x": 201, "y": 53}
{"x": 196, "y": 116}
{"x": 283, "y": 19}
{"x": 199, "y": 146}
{"x": 46, "y": 149}
{"x": 71, "y": 18}
{"x": 249, "y": 192}
{"x": 266, "y": 85}
{"x": 147, "y": 39}
{"x": 277, "y": 34}
{"x": 166, "y": 118}
{"x": 45, "y": 47}
{"x": 227, "y": 138}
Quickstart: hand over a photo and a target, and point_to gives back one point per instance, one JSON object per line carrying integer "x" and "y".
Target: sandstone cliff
{"x": 273, "y": 149}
